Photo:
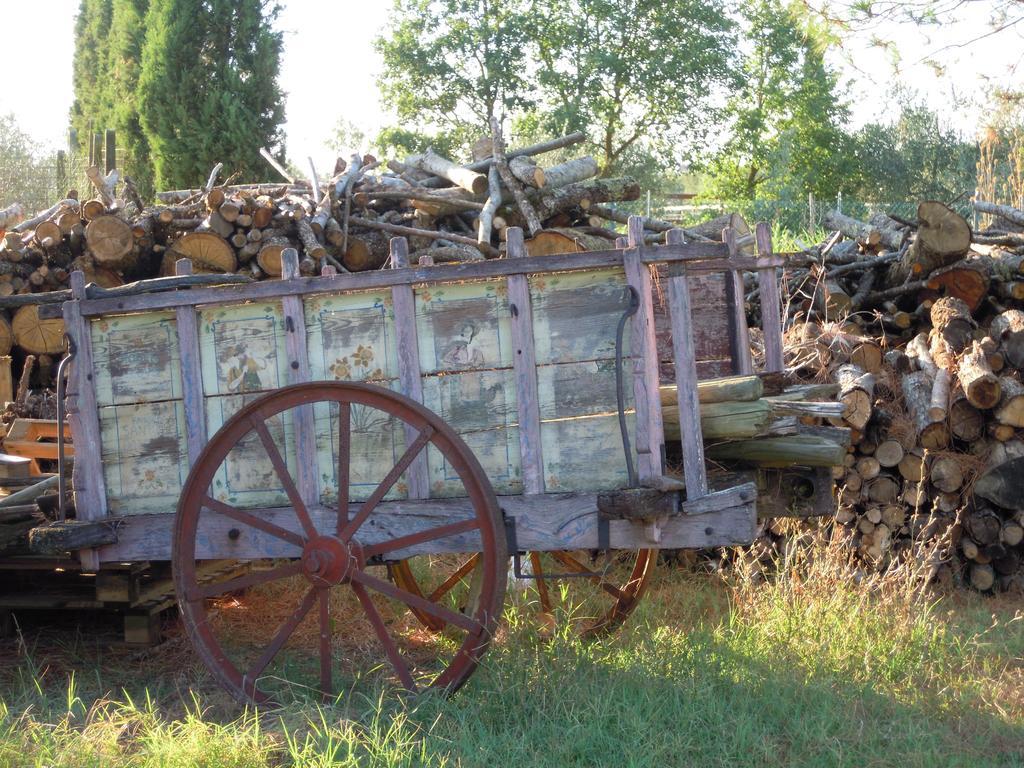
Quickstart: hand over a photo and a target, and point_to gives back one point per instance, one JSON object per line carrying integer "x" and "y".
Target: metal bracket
{"x": 603, "y": 544}
{"x": 61, "y": 459}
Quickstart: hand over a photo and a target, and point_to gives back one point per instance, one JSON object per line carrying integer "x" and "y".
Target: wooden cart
{"x": 330, "y": 428}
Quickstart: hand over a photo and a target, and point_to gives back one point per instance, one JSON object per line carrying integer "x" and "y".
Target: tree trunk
{"x": 980, "y": 385}
{"x": 431, "y": 162}
{"x": 39, "y": 337}
{"x": 208, "y": 252}
{"x": 1008, "y": 329}
{"x": 111, "y": 241}
{"x": 527, "y": 171}
{"x": 951, "y": 319}
{"x": 582, "y": 194}
{"x": 943, "y": 237}
{"x": 892, "y": 239}
{"x": 571, "y": 172}
{"x": 856, "y": 392}
{"x": 917, "y": 393}
{"x": 558, "y": 240}
{"x": 1011, "y": 405}
{"x": 1011, "y": 214}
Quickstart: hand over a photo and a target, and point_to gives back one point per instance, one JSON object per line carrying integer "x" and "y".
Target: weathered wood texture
{"x": 543, "y": 523}
{"x": 518, "y": 355}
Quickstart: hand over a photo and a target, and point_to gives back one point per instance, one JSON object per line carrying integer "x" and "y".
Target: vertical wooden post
{"x": 525, "y": 364}
{"x": 650, "y": 434}
{"x": 298, "y": 373}
{"x": 403, "y": 303}
{"x": 88, "y": 482}
{"x": 110, "y": 153}
{"x": 739, "y": 334}
{"x": 685, "y": 355}
{"x": 771, "y": 304}
{"x": 96, "y": 152}
{"x": 62, "y": 173}
{"x": 187, "y": 325}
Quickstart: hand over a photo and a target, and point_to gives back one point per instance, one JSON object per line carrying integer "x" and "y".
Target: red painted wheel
{"x": 594, "y": 606}
{"x": 333, "y": 612}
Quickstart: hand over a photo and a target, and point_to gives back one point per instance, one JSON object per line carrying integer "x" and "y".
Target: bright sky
{"x": 330, "y": 68}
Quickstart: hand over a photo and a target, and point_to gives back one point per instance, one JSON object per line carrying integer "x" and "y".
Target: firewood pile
{"x": 449, "y": 212}
{"x": 921, "y": 326}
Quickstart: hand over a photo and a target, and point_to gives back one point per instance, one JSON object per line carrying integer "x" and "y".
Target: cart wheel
{"x": 595, "y": 606}
{"x": 325, "y": 611}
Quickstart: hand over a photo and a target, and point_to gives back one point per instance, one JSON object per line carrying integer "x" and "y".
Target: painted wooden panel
{"x": 576, "y": 315}
{"x": 351, "y": 337}
{"x": 464, "y": 327}
{"x": 585, "y": 453}
{"x": 136, "y": 358}
{"x": 242, "y": 348}
{"x": 710, "y": 326}
{"x": 581, "y": 389}
{"x": 377, "y": 443}
{"x": 145, "y": 458}
{"x": 246, "y": 477}
{"x": 481, "y": 406}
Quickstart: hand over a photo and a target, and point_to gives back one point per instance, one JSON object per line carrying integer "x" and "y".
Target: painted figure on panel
{"x": 244, "y": 371}
{"x": 461, "y": 351}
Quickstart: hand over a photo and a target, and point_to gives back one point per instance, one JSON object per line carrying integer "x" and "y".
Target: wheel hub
{"x": 327, "y": 560}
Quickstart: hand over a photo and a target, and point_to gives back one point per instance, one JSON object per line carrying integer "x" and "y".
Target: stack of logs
{"x": 449, "y": 212}
{"x": 921, "y": 325}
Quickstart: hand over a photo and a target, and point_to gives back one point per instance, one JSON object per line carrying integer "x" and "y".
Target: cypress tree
{"x": 208, "y": 89}
{"x": 124, "y": 54}
{"x": 92, "y": 105}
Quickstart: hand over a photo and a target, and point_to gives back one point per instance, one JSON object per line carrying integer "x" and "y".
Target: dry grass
{"x": 812, "y": 662}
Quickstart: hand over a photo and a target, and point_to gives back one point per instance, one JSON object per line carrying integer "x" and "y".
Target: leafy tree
{"x": 451, "y": 64}
{"x": 785, "y": 136}
{"x": 208, "y": 89}
{"x": 26, "y": 174}
{"x": 127, "y": 32}
{"x": 637, "y": 76}
{"x": 914, "y": 158}
{"x": 92, "y": 104}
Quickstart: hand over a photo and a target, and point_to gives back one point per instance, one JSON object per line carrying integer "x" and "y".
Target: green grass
{"x": 806, "y": 672}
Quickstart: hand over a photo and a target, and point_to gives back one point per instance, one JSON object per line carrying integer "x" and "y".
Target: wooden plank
{"x": 243, "y": 349}
{"x": 691, "y": 437}
{"x": 650, "y": 437}
{"x": 771, "y": 308}
{"x": 187, "y": 326}
{"x": 544, "y": 522}
{"x": 524, "y": 361}
{"x": 739, "y": 335}
{"x": 463, "y": 327}
{"x": 136, "y": 358}
{"x": 87, "y": 477}
{"x": 6, "y": 381}
{"x": 144, "y": 456}
{"x": 298, "y": 373}
{"x": 411, "y": 384}
{"x": 584, "y": 454}
{"x": 351, "y": 337}
{"x": 444, "y": 273}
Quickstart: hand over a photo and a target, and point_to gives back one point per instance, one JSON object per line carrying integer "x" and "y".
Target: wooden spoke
{"x": 416, "y": 601}
{"x": 575, "y": 565}
{"x": 454, "y": 579}
{"x": 385, "y": 485}
{"x": 252, "y": 579}
{"x": 542, "y": 586}
{"x": 281, "y": 468}
{"x": 344, "y": 461}
{"x": 430, "y": 534}
{"x": 253, "y": 521}
{"x": 280, "y": 638}
{"x": 394, "y": 655}
{"x": 326, "y": 682}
